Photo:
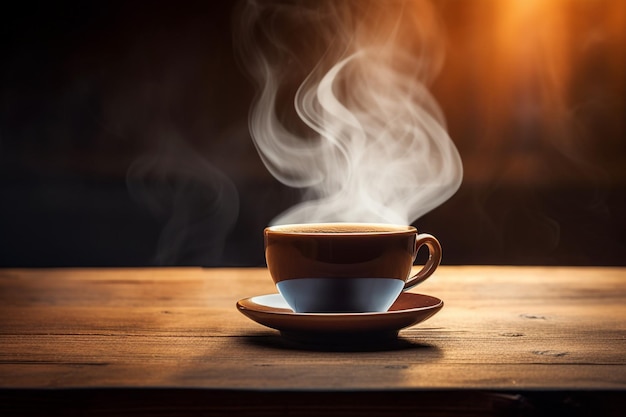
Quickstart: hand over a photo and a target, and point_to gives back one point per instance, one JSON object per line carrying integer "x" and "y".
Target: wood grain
{"x": 502, "y": 329}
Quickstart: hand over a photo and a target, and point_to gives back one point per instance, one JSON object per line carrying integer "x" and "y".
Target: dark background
{"x": 124, "y": 141}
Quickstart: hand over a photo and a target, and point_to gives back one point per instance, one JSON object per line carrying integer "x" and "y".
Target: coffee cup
{"x": 346, "y": 267}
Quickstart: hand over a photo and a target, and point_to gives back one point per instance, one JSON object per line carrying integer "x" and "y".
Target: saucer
{"x": 272, "y": 311}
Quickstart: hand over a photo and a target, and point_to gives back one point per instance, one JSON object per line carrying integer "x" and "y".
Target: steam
{"x": 372, "y": 144}
{"x": 196, "y": 202}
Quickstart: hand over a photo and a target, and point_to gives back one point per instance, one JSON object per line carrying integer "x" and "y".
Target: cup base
{"x": 340, "y": 295}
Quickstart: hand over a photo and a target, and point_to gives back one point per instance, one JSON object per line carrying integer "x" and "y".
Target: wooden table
{"x": 509, "y": 341}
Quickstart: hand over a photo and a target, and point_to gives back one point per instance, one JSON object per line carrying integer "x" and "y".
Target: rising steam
{"x": 371, "y": 145}
{"x": 197, "y": 203}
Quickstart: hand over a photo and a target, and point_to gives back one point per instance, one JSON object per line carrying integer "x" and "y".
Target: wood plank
{"x": 500, "y": 317}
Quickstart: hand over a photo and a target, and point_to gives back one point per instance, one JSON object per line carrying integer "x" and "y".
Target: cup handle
{"x": 434, "y": 259}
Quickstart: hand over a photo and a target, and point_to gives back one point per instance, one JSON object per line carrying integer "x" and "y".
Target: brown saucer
{"x": 272, "y": 311}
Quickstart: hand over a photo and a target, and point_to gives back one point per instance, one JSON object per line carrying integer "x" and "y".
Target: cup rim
{"x": 394, "y": 229}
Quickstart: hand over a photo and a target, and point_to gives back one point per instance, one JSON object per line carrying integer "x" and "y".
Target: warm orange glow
{"x": 538, "y": 74}
{"x": 531, "y": 44}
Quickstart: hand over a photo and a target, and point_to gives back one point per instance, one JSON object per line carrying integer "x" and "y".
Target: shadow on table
{"x": 351, "y": 344}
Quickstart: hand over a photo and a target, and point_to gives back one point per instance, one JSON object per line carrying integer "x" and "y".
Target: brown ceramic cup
{"x": 346, "y": 267}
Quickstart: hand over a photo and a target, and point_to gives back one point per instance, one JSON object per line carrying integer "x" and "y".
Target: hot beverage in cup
{"x": 346, "y": 267}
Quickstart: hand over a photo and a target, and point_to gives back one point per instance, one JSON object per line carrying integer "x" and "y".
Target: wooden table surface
{"x": 167, "y": 341}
